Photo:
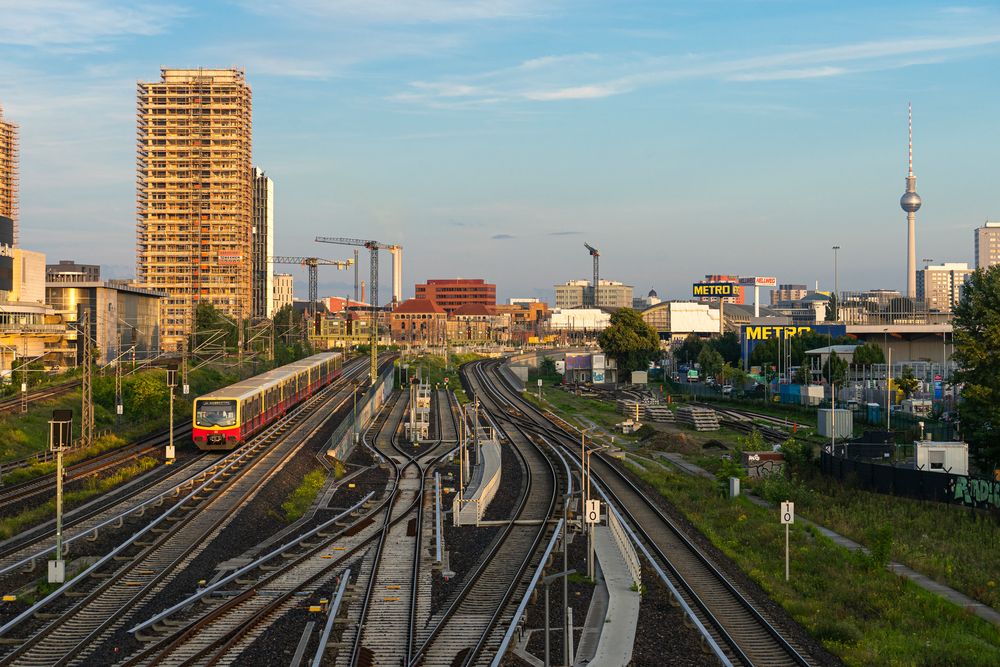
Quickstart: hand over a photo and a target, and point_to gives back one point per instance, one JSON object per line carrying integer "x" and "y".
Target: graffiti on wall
{"x": 976, "y": 492}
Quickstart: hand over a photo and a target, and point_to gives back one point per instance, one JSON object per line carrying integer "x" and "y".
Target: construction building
{"x": 576, "y": 293}
{"x": 8, "y": 172}
{"x": 263, "y": 245}
{"x": 452, "y": 294}
{"x": 941, "y": 285}
{"x": 284, "y": 291}
{"x": 195, "y": 195}
{"x": 987, "y": 244}
{"x": 68, "y": 270}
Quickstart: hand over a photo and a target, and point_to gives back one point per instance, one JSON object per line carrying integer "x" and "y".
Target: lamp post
{"x": 355, "y": 384}
{"x": 567, "y": 631}
{"x": 171, "y": 383}
{"x": 545, "y": 582}
{"x": 836, "y": 286}
{"x": 60, "y": 438}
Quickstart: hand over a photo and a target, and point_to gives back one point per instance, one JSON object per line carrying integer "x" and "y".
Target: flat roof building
{"x": 987, "y": 245}
{"x": 68, "y": 270}
{"x": 194, "y": 195}
{"x": 576, "y": 293}
{"x": 940, "y": 286}
{"x": 284, "y": 291}
{"x": 453, "y": 293}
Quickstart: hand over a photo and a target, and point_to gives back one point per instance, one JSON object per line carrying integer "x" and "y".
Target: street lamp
{"x": 545, "y": 582}
{"x": 60, "y": 439}
{"x": 171, "y": 383}
{"x": 836, "y": 285}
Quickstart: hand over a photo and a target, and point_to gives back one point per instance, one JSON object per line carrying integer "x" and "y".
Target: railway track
{"x": 173, "y": 540}
{"x": 464, "y": 631}
{"x": 13, "y": 404}
{"x": 744, "y": 631}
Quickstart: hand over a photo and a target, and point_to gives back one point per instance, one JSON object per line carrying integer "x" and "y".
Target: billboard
{"x": 760, "y": 281}
{"x": 752, "y": 335}
{"x": 577, "y": 362}
{"x": 715, "y": 289}
{"x": 6, "y": 254}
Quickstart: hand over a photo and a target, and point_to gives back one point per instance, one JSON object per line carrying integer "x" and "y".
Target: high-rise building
{"x": 263, "y": 244}
{"x": 284, "y": 291}
{"x": 453, "y": 293}
{"x": 576, "y": 293}
{"x": 987, "y": 245}
{"x": 910, "y": 202}
{"x": 8, "y": 172}
{"x": 194, "y": 195}
{"x": 941, "y": 286}
{"x": 788, "y": 292}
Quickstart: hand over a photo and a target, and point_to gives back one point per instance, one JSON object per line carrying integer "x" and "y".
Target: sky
{"x": 492, "y": 138}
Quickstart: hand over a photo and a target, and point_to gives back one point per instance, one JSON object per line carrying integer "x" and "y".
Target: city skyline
{"x": 506, "y": 134}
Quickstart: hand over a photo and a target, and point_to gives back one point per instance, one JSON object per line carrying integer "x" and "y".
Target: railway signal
{"x": 171, "y": 383}
{"x": 787, "y": 518}
{"x": 60, "y": 439}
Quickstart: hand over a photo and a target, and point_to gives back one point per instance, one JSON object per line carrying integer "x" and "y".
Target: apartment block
{"x": 452, "y": 294}
{"x": 576, "y": 293}
{"x": 788, "y": 292}
{"x": 987, "y": 245}
{"x": 941, "y": 286}
{"x": 284, "y": 291}
{"x": 8, "y": 172}
{"x": 263, "y": 244}
{"x": 195, "y": 195}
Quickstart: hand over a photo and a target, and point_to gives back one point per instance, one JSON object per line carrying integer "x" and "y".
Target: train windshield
{"x": 216, "y": 413}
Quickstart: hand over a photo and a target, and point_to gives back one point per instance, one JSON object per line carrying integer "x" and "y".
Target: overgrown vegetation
{"x": 304, "y": 495}
{"x": 849, "y": 602}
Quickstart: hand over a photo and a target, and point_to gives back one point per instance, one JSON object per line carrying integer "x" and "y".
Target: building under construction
{"x": 263, "y": 245}
{"x": 194, "y": 195}
{"x": 8, "y": 171}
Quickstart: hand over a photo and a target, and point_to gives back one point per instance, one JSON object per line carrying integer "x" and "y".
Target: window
{"x": 216, "y": 413}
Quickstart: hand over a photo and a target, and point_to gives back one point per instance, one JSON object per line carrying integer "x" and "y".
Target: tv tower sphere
{"x": 910, "y": 201}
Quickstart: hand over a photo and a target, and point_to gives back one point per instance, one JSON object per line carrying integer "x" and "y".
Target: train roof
{"x": 250, "y": 386}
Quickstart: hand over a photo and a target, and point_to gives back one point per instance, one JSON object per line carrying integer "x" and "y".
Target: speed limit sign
{"x": 593, "y": 511}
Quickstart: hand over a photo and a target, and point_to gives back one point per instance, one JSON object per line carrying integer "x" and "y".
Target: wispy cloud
{"x": 790, "y": 74}
{"x": 565, "y": 233}
{"x": 410, "y": 11}
{"x": 81, "y": 24}
{"x": 501, "y": 237}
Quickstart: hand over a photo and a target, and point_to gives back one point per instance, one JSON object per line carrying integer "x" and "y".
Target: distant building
{"x": 8, "y": 172}
{"x": 27, "y": 326}
{"x": 521, "y": 301}
{"x": 452, "y": 294}
{"x": 641, "y": 303}
{"x": 579, "y": 319}
{"x": 263, "y": 244}
{"x": 987, "y": 245}
{"x": 789, "y": 292}
{"x": 676, "y": 320}
{"x": 419, "y": 321}
{"x": 69, "y": 271}
{"x": 723, "y": 278}
{"x": 284, "y": 291}
{"x": 940, "y": 286}
{"x": 576, "y": 293}
{"x": 810, "y": 308}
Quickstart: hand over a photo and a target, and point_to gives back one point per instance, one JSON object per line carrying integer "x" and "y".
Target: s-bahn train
{"x": 226, "y": 417}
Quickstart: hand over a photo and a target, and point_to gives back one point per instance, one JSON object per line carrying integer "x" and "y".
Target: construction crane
{"x": 373, "y": 248}
{"x": 313, "y": 264}
{"x": 596, "y": 254}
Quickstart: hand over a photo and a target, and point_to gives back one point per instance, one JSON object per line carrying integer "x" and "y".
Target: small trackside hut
{"x": 225, "y": 418}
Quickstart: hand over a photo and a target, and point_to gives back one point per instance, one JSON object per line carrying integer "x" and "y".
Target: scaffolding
{"x": 8, "y": 172}
{"x": 194, "y": 195}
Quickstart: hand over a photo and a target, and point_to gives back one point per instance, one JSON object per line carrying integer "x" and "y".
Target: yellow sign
{"x": 714, "y": 289}
{"x": 774, "y": 331}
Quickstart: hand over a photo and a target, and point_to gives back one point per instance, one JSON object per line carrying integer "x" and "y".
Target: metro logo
{"x": 769, "y": 332}
{"x": 714, "y": 289}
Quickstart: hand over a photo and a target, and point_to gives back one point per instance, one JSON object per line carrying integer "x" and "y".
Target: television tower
{"x": 910, "y": 201}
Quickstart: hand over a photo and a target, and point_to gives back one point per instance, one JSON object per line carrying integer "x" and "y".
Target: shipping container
{"x": 826, "y": 419}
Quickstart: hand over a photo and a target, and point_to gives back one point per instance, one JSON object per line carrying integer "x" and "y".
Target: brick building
{"x": 419, "y": 321}
{"x": 451, "y": 294}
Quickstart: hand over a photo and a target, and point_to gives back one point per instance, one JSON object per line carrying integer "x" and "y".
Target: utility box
{"x": 837, "y": 423}
{"x": 640, "y": 377}
{"x": 939, "y": 456}
{"x": 917, "y": 406}
{"x": 811, "y": 394}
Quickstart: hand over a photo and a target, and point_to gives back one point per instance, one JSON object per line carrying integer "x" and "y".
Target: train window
{"x": 221, "y": 412}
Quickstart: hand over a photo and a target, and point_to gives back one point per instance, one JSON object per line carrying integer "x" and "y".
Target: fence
{"x": 977, "y": 492}
{"x": 341, "y": 442}
{"x": 626, "y": 549}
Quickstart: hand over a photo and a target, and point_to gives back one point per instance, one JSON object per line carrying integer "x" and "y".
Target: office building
{"x": 68, "y": 270}
{"x": 452, "y": 294}
{"x": 987, "y": 245}
{"x": 194, "y": 195}
{"x": 789, "y": 292}
{"x": 576, "y": 293}
{"x": 284, "y": 291}
{"x": 8, "y": 172}
{"x": 263, "y": 245}
{"x": 940, "y": 286}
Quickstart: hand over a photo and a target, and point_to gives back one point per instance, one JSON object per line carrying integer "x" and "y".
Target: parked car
{"x": 727, "y": 389}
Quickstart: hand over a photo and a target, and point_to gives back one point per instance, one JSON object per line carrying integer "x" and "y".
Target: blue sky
{"x": 491, "y": 138}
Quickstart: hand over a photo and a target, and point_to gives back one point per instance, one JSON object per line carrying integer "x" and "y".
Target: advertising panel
{"x": 751, "y": 335}
{"x": 6, "y": 254}
{"x": 577, "y": 362}
{"x": 715, "y": 289}
{"x": 760, "y": 281}
{"x": 598, "y": 361}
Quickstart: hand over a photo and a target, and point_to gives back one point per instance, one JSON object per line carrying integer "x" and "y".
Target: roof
{"x": 473, "y": 309}
{"x": 419, "y": 306}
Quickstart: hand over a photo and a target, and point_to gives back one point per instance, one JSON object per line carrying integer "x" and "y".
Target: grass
{"x": 304, "y": 495}
{"x": 849, "y": 602}
{"x": 955, "y": 545}
{"x": 12, "y": 525}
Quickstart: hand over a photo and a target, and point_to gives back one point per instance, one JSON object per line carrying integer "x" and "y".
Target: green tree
{"x": 803, "y": 375}
{"x": 734, "y": 375}
{"x": 711, "y": 361}
{"x": 690, "y": 349}
{"x": 728, "y": 345}
{"x": 907, "y": 382}
{"x": 977, "y": 351}
{"x": 835, "y": 369}
{"x": 867, "y": 354}
{"x": 630, "y": 341}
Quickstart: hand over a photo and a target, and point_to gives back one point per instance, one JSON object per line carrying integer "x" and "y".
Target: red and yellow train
{"x": 225, "y": 418}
